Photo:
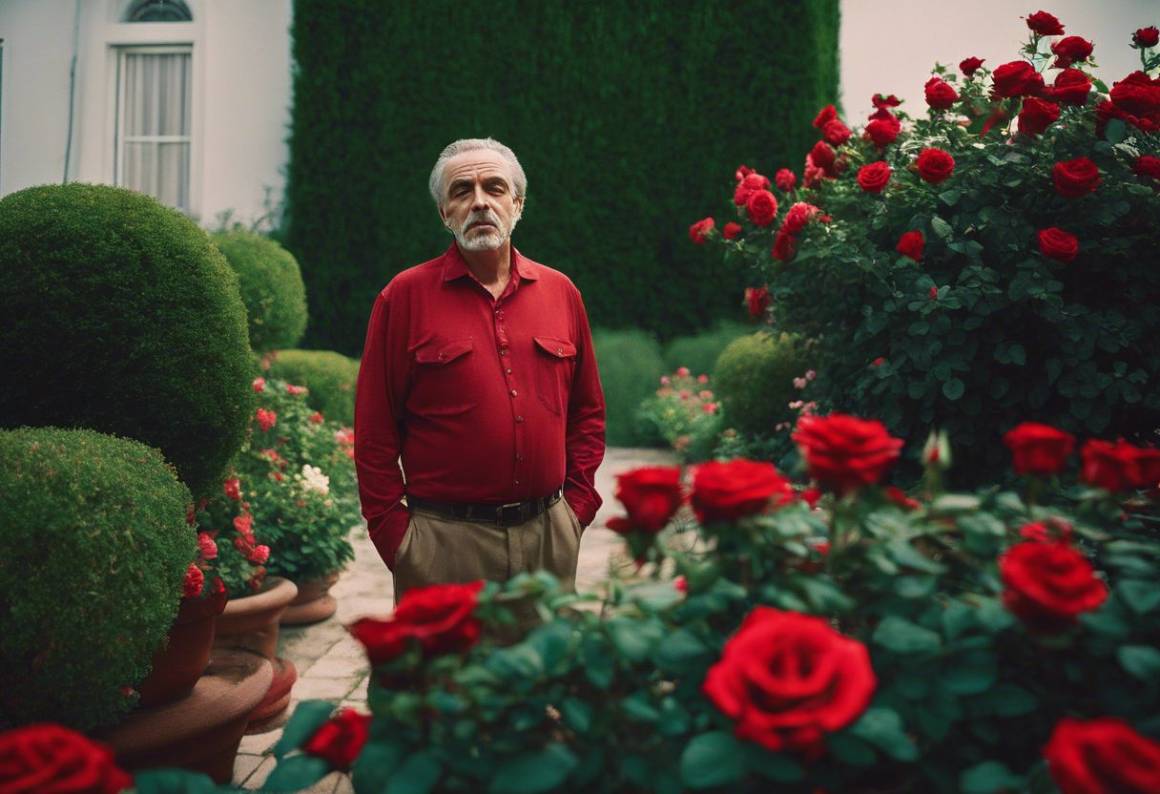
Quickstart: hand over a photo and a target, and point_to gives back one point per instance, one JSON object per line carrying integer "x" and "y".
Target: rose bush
{"x": 995, "y": 253}
{"x": 685, "y": 412}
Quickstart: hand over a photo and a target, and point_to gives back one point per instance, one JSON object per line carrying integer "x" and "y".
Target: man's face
{"x": 478, "y": 203}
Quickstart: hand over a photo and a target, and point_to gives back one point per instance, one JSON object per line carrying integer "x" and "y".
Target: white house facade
{"x": 186, "y": 100}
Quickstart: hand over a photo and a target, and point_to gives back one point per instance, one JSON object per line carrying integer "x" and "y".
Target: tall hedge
{"x": 629, "y": 120}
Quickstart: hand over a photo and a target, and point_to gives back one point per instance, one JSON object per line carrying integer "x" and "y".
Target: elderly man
{"x": 478, "y": 372}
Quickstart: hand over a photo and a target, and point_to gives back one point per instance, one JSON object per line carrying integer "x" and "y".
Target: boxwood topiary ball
{"x": 271, "y": 285}
{"x": 331, "y": 378}
{"x": 93, "y": 552}
{"x": 754, "y": 379}
{"x": 118, "y": 314}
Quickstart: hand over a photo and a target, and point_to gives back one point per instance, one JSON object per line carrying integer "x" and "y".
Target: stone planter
{"x": 313, "y": 602}
{"x": 179, "y": 664}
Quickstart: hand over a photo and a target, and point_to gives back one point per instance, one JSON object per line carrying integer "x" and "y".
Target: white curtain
{"x": 155, "y": 131}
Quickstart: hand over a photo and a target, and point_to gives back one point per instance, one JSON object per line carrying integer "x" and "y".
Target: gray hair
{"x": 435, "y": 183}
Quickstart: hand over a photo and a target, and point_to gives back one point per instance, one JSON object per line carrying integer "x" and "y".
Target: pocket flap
{"x": 443, "y": 352}
{"x": 560, "y": 348}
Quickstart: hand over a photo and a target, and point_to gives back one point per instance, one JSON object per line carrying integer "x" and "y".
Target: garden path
{"x": 331, "y": 665}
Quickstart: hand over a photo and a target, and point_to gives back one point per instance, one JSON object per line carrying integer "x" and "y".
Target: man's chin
{"x": 481, "y": 242}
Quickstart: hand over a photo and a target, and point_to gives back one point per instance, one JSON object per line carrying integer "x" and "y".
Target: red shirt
{"x": 484, "y": 399}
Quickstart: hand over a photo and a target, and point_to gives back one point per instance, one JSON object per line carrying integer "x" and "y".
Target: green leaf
{"x": 633, "y": 639}
{"x": 902, "y": 636}
{"x": 882, "y": 727}
{"x": 172, "y": 781}
{"x": 1115, "y": 131}
{"x": 598, "y": 661}
{"x": 1142, "y": 661}
{"x": 296, "y": 773}
{"x": 577, "y": 714}
{"x": 970, "y": 674}
{"x": 712, "y": 759}
{"x": 531, "y": 773}
{"x": 1017, "y": 354}
{"x": 950, "y": 197}
{"x": 773, "y": 766}
{"x": 418, "y": 774}
{"x": 957, "y": 618}
{"x": 374, "y": 765}
{"x": 850, "y": 749}
{"x": 1140, "y": 596}
{"x": 953, "y": 389}
{"x": 678, "y": 649}
{"x": 988, "y": 777}
{"x": 940, "y": 227}
{"x": 655, "y": 596}
{"x": 909, "y": 557}
{"x": 304, "y": 722}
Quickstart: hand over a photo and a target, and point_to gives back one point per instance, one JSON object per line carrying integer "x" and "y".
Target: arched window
{"x": 158, "y": 11}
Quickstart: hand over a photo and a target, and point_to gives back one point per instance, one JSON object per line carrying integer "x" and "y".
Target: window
{"x": 158, "y": 11}
{"x": 154, "y": 99}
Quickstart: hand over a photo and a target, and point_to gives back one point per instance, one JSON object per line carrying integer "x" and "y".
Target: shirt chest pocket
{"x": 555, "y": 366}
{"x": 443, "y": 379}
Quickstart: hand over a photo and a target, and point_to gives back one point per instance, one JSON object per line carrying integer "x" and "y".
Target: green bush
{"x": 330, "y": 376}
{"x": 94, "y": 547}
{"x": 754, "y": 380}
{"x": 119, "y": 315}
{"x": 627, "y": 117}
{"x": 271, "y": 287}
{"x": 699, "y": 352}
{"x": 630, "y": 369}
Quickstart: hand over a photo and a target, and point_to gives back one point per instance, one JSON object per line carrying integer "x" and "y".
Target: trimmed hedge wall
{"x": 629, "y": 119}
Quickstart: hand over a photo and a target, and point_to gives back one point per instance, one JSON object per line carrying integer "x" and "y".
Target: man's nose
{"x": 479, "y": 199}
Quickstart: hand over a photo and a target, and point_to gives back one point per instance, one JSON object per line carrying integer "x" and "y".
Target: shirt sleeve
{"x": 584, "y": 442}
{"x": 378, "y": 397}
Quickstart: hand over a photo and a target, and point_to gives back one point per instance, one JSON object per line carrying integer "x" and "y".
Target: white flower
{"x": 314, "y": 480}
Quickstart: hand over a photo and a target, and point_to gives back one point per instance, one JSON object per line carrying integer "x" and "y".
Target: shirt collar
{"x": 454, "y": 266}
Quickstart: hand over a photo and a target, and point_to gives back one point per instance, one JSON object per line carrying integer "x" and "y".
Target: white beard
{"x": 489, "y": 241}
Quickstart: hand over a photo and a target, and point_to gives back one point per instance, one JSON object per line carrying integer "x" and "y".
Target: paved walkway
{"x": 331, "y": 665}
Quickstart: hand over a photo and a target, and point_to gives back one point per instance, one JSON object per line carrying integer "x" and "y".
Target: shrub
{"x": 119, "y": 315}
{"x": 877, "y": 643}
{"x": 698, "y": 352}
{"x": 755, "y": 381}
{"x": 94, "y": 548}
{"x": 330, "y": 376}
{"x": 988, "y": 264}
{"x": 630, "y": 366}
{"x": 227, "y": 517}
{"x": 271, "y": 287}
{"x": 685, "y": 413}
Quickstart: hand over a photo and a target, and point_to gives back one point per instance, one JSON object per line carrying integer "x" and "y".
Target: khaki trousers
{"x": 438, "y": 550}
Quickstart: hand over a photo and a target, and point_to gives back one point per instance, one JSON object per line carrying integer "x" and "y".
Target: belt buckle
{"x": 499, "y": 512}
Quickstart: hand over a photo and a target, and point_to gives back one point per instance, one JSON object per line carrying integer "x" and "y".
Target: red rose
{"x": 757, "y": 300}
{"x": 823, "y": 156}
{"x": 969, "y": 66}
{"x": 878, "y": 362}
{"x": 825, "y": 115}
{"x": 259, "y": 554}
{"x": 911, "y": 244}
{"x": 844, "y": 452}
{"x": 883, "y": 131}
{"x": 1037, "y": 115}
{"x": 787, "y": 680}
{"x": 882, "y": 102}
{"x": 1055, "y": 243}
{"x": 742, "y": 172}
{"x": 728, "y": 491}
{"x": 1044, "y": 24}
{"x": 899, "y": 497}
{"x": 232, "y": 489}
{"x": 1119, "y": 466}
{"x": 1017, "y": 78}
{"x": 785, "y": 180}
{"x": 1104, "y": 755}
{"x": 194, "y": 579}
{"x": 933, "y": 293}
{"x": 340, "y": 739}
{"x": 1038, "y": 448}
{"x": 316, "y": 418}
{"x": 1137, "y": 99}
{"x": 206, "y": 546}
{"x": 1075, "y": 178}
{"x": 751, "y": 182}
{"x": 731, "y": 230}
{"x": 244, "y": 524}
{"x": 873, "y": 177}
{"x": 784, "y": 246}
{"x": 440, "y": 618}
{"x": 650, "y": 495}
{"x": 1069, "y": 50}
{"x": 699, "y": 231}
{"x": 1051, "y": 530}
{"x": 935, "y": 165}
{"x": 835, "y": 132}
{"x": 259, "y": 385}
{"x": 45, "y": 758}
{"x": 1071, "y": 87}
{"x": 266, "y": 419}
{"x": 1147, "y": 165}
{"x": 761, "y": 207}
{"x": 1146, "y": 37}
{"x": 1047, "y": 584}
{"x": 940, "y": 94}
{"x": 798, "y": 216}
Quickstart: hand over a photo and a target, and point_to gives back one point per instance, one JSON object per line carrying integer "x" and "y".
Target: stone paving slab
{"x": 331, "y": 665}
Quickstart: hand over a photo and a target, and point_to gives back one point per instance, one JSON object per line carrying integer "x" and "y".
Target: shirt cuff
{"x": 387, "y": 533}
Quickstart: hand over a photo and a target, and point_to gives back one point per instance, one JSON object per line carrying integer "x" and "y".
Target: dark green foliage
{"x": 118, "y": 314}
{"x": 699, "y": 352}
{"x": 330, "y": 377}
{"x": 630, "y": 370}
{"x": 271, "y": 286}
{"x": 93, "y": 551}
{"x": 629, "y": 119}
{"x": 754, "y": 379}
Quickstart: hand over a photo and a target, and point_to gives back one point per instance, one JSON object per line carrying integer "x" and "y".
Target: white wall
{"x": 890, "y": 46}
{"x": 241, "y": 95}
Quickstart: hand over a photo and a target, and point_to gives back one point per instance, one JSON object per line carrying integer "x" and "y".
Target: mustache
{"x": 476, "y": 219}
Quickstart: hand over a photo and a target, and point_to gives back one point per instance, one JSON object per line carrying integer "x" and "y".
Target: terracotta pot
{"x": 251, "y": 622}
{"x": 273, "y": 709}
{"x": 313, "y": 602}
{"x": 200, "y": 732}
{"x": 180, "y": 662}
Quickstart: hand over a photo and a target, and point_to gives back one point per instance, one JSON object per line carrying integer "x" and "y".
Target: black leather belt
{"x": 502, "y": 515}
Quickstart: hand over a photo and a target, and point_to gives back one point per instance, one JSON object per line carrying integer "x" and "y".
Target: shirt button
{"x": 519, "y": 457}
{"x": 559, "y": 351}
{"x": 517, "y": 482}
{"x": 503, "y": 351}
{"x": 514, "y": 393}
{"x": 519, "y": 420}
{"x": 508, "y": 370}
